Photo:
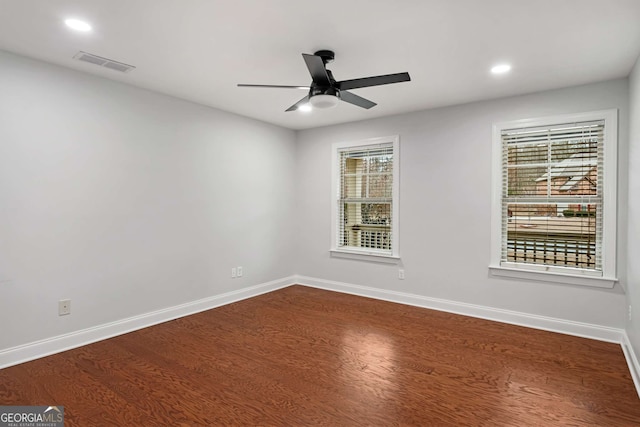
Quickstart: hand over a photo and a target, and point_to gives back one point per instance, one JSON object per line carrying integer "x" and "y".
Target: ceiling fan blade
{"x": 275, "y": 86}
{"x": 354, "y": 99}
{"x": 317, "y": 70}
{"x": 373, "y": 81}
{"x": 298, "y": 104}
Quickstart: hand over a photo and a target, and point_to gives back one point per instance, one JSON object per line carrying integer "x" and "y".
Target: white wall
{"x": 127, "y": 201}
{"x": 633, "y": 327}
{"x": 445, "y": 188}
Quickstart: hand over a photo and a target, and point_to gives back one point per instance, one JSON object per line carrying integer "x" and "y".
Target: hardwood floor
{"x": 302, "y": 356}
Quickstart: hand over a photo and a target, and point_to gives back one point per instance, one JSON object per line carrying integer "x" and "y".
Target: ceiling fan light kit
{"x": 325, "y": 92}
{"x": 324, "y": 101}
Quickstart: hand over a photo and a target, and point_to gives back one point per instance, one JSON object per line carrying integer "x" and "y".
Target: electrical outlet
{"x": 401, "y": 274}
{"x": 64, "y": 307}
{"x": 233, "y": 272}
{"x": 239, "y": 269}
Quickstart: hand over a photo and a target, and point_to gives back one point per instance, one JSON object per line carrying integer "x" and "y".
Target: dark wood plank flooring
{"x": 302, "y": 356}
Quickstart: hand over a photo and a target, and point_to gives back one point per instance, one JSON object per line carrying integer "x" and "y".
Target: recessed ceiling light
{"x": 78, "y": 25}
{"x": 305, "y": 108}
{"x": 501, "y": 69}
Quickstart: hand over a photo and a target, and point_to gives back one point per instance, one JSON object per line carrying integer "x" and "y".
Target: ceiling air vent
{"x": 103, "y": 62}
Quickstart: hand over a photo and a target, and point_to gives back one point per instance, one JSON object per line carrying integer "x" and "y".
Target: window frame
{"x": 366, "y": 254}
{"x": 548, "y": 273}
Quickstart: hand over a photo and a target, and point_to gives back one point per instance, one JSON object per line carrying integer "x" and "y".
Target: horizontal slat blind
{"x": 552, "y": 195}
{"x": 366, "y": 197}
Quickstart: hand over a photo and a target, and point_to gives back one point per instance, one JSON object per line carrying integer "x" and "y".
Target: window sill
{"x": 545, "y": 276}
{"x": 365, "y": 256}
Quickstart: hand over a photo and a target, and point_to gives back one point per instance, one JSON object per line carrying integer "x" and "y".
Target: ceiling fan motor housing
{"x": 319, "y": 90}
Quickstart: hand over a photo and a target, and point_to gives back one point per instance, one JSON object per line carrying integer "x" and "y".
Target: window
{"x": 554, "y": 204}
{"x": 365, "y": 197}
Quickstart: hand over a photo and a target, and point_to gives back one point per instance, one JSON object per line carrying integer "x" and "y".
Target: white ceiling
{"x": 200, "y": 49}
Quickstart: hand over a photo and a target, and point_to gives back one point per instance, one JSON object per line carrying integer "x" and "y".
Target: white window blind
{"x": 552, "y": 195}
{"x": 364, "y": 200}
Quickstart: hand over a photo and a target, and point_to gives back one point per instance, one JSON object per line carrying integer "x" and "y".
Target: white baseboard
{"x": 632, "y": 361}
{"x": 585, "y": 330}
{"x": 57, "y": 344}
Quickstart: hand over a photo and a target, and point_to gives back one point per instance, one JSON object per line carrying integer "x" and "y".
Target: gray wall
{"x": 127, "y": 201}
{"x": 445, "y": 196}
{"x": 633, "y": 327}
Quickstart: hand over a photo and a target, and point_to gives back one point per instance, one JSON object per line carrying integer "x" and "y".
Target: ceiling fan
{"x": 326, "y": 92}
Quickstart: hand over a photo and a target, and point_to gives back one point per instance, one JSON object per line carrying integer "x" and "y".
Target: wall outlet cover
{"x": 64, "y": 307}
